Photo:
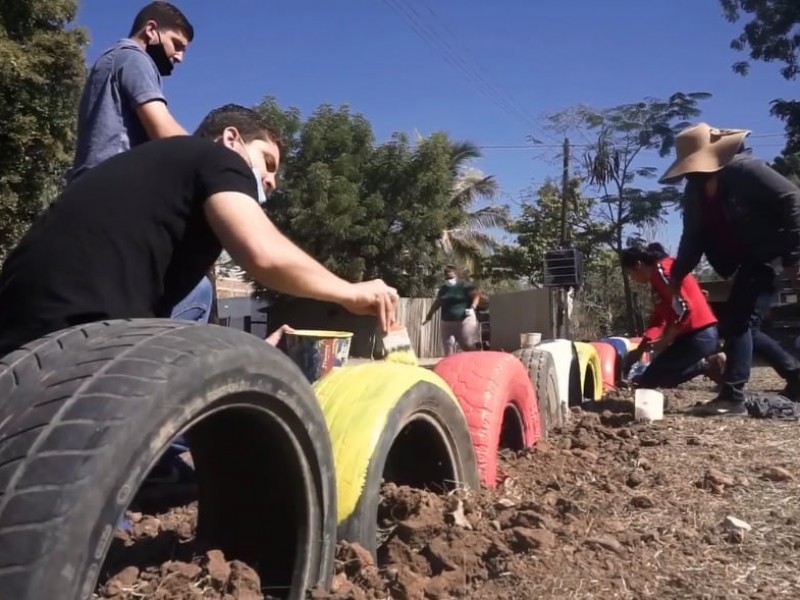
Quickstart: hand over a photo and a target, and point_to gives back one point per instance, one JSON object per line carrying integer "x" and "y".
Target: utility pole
{"x": 565, "y": 194}
{"x": 563, "y": 316}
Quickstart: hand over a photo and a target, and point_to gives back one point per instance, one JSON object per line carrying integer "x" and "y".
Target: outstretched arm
{"x": 273, "y": 260}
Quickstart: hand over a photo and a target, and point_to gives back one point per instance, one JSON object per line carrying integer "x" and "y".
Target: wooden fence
{"x": 427, "y": 340}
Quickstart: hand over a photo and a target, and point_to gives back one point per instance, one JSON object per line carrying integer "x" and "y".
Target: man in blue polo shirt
{"x": 123, "y": 105}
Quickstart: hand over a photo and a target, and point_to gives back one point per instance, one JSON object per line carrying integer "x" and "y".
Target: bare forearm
{"x": 158, "y": 122}
{"x": 433, "y": 309}
{"x": 290, "y": 270}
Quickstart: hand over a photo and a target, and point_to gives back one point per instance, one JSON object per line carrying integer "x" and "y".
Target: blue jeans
{"x": 785, "y": 365}
{"x": 681, "y": 361}
{"x": 196, "y": 306}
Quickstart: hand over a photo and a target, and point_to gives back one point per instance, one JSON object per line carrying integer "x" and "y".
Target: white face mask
{"x": 262, "y": 195}
{"x": 451, "y": 281}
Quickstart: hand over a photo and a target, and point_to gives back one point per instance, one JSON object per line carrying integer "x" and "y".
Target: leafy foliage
{"x": 538, "y": 229}
{"x": 367, "y": 210}
{"x": 772, "y": 35}
{"x": 41, "y": 74}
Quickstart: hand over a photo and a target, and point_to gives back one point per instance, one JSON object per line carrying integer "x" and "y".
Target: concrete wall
{"x": 519, "y": 312}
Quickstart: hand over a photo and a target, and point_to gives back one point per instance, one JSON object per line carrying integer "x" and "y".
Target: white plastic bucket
{"x": 529, "y": 340}
{"x": 648, "y": 405}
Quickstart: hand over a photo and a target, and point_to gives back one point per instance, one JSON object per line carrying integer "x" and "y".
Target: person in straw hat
{"x": 745, "y": 217}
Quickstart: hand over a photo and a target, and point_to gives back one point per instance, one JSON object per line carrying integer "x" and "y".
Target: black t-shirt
{"x": 128, "y": 239}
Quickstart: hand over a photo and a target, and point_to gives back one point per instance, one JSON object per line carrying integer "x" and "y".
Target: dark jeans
{"x": 773, "y": 354}
{"x": 753, "y": 291}
{"x": 681, "y": 361}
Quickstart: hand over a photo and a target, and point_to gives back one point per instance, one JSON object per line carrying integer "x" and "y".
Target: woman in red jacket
{"x": 682, "y": 329}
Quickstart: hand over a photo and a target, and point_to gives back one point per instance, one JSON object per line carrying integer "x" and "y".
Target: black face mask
{"x": 159, "y": 55}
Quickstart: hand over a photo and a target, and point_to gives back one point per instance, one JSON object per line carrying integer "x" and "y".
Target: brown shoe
{"x": 715, "y": 367}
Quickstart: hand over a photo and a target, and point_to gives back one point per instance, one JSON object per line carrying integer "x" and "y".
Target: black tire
{"x": 27, "y": 365}
{"x": 93, "y": 427}
{"x": 542, "y": 372}
{"x": 424, "y": 442}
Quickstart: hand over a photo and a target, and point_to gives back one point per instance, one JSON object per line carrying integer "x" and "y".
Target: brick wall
{"x": 229, "y": 287}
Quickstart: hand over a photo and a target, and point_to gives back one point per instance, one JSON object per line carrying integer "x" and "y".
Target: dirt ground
{"x": 605, "y": 508}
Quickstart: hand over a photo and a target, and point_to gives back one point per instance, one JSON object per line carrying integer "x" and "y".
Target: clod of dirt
{"x": 606, "y": 542}
{"x": 218, "y": 569}
{"x": 777, "y": 474}
{"x": 214, "y": 579}
{"x": 642, "y": 502}
{"x": 716, "y": 481}
{"x": 635, "y": 478}
{"x": 525, "y": 539}
{"x": 586, "y": 455}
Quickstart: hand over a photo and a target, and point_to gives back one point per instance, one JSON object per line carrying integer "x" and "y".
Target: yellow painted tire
{"x": 591, "y": 371}
{"x": 392, "y": 422}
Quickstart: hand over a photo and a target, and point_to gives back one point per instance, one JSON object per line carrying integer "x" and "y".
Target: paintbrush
{"x": 397, "y": 346}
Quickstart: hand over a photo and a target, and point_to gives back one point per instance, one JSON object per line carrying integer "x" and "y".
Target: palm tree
{"x": 467, "y": 239}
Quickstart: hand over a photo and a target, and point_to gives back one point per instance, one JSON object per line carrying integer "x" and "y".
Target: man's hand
{"x": 373, "y": 298}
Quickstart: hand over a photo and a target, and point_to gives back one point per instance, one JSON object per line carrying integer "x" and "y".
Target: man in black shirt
{"x": 132, "y": 236}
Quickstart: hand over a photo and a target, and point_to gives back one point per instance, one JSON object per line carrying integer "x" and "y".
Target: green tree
{"x": 367, "y": 210}
{"x": 618, "y": 140}
{"x": 771, "y": 35}
{"x": 788, "y": 164}
{"x": 41, "y": 74}
{"x": 538, "y": 229}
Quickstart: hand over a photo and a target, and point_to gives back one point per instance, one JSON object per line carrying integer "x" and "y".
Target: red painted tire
{"x": 499, "y": 402}
{"x": 610, "y": 365}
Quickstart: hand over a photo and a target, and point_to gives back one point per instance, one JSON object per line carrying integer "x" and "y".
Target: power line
{"x": 457, "y": 62}
{"x": 486, "y": 73}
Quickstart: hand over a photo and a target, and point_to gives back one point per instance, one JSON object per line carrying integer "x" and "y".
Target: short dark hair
{"x": 166, "y": 15}
{"x": 250, "y": 124}
{"x": 649, "y": 255}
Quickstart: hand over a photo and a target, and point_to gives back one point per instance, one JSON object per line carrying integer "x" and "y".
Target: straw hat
{"x": 703, "y": 149}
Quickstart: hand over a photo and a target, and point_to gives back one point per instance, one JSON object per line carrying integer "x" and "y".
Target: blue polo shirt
{"x": 122, "y": 78}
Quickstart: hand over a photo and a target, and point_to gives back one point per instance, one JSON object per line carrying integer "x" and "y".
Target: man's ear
{"x": 230, "y": 136}
{"x": 151, "y": 31}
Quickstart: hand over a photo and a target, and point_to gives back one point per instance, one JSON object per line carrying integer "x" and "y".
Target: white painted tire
{"x": 563, "y": 355}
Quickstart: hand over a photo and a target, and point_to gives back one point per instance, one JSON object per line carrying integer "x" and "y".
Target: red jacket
{"x": 690, "y": 311}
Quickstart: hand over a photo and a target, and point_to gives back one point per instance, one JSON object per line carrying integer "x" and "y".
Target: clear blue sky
{"x": 514, "y": 61}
